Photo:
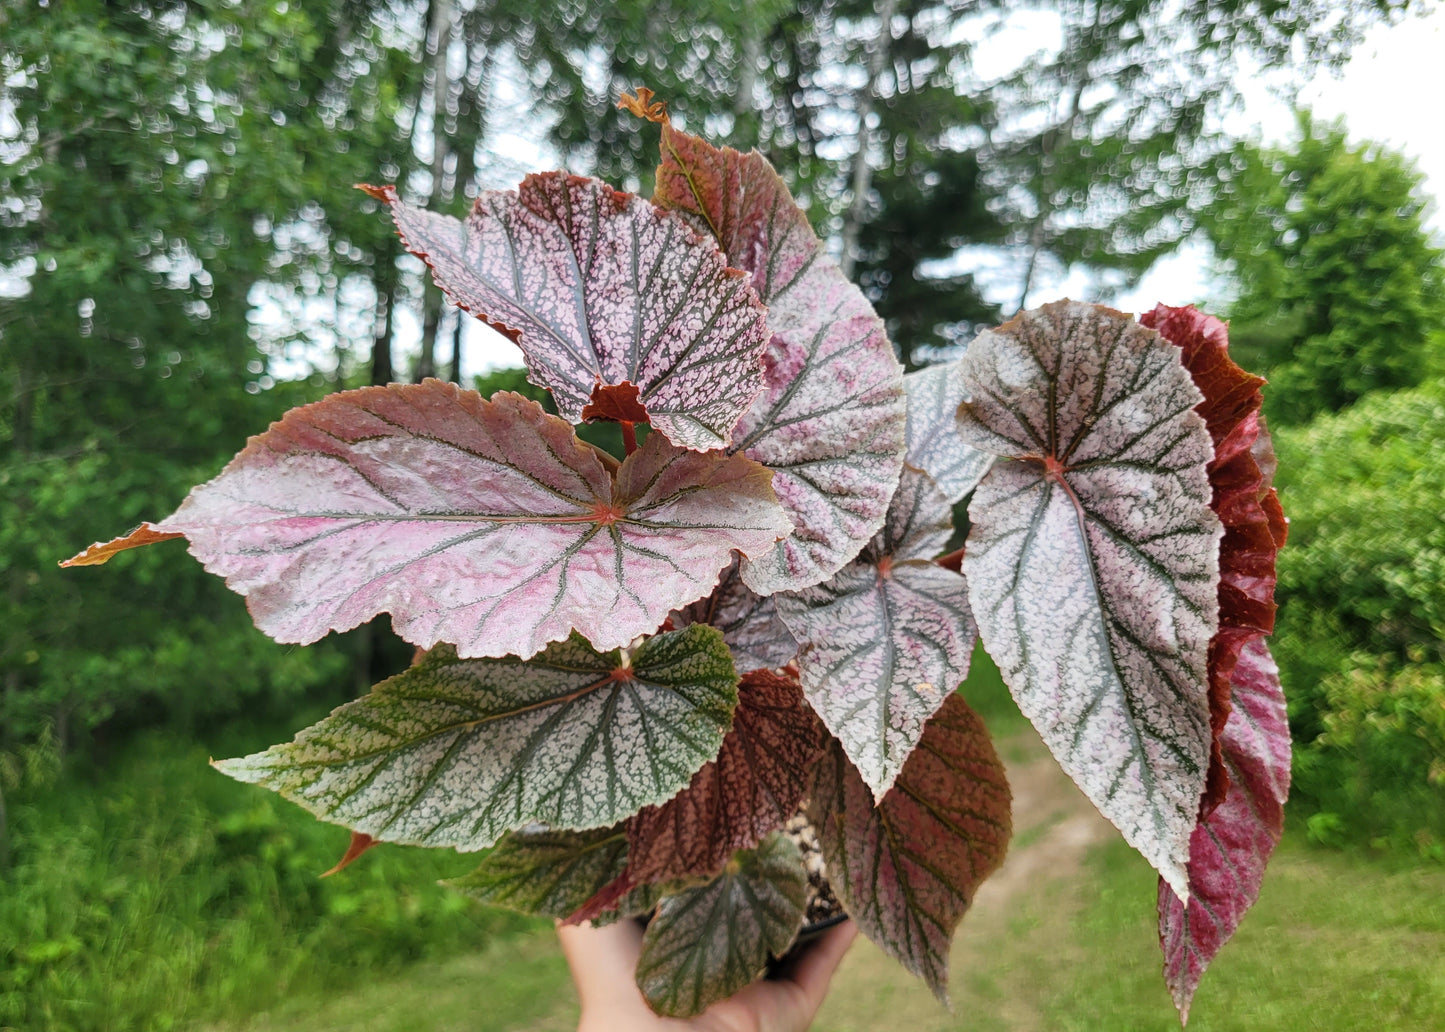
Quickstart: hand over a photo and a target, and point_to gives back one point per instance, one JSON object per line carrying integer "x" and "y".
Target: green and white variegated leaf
{"x": 885, "y": 641}
{"x": 543, "y": 871}
{"x": 1093, "y": 559}
{"x": 458, "y": 752}
{"x": 750, "y": 624}
{"x": 707, "y": 943}
{"x": 934, "y": 443}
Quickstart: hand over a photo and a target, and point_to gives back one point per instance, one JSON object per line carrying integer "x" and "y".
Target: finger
{"x": 603, "y": 960}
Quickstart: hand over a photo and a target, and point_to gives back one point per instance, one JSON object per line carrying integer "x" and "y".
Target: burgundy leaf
{"x": 482, "y": 523}
{"x": 1230, "y": 847}
{"x": 1243, "y": 500}
{"x": 1093, "y": 559}
{"x": 621, "y": 309}
{"x": 752, "y": 788}
{"x": 750, "y": 624}
{"x": 907, "y": 869}
{"x": 831, "y": 420}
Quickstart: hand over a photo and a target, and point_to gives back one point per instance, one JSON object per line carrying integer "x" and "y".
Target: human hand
{"x": 603, "y": 961}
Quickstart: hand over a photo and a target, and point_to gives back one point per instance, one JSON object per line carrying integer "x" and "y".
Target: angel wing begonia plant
{"x": 638, "y": 670}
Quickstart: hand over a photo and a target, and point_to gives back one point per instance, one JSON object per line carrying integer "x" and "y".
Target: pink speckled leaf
{"x": 907, "y": 869}
{"x": 457, "y": 752}
{"x": 613, "y": 301}
{"x": 885, "y": 641}
{"x": 1093, "y": 559}
{"x": 831, "y": 420}
{"x": 706, "y": 943}
{"x": 934, "y": 443}
{"x": 750, "y": 624}
{"x": 486, "y": 524}
{"x": 1230, "y": 847}
{"x": 752, "y": 788}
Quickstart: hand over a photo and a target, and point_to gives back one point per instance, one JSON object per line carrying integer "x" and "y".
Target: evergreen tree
{"x": 1340, "y": 288}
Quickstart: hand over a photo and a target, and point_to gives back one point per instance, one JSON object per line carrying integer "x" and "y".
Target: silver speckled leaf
{"x": 934, "y": 443}
{"x": 543, "y": 871}
{"x": 485, "y": 524}
{"x": 705, "y": 944}
{"x": 887, "y": 639}
{"x": 457, "y": 752}
{"x": 907, "y": 869}
{"x": 831, "y": 420}
{"x": 750, "y": 624}
{"x": 1093, "y": 559}
{"x": 604, "y": 293}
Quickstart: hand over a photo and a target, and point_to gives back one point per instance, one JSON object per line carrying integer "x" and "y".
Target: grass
{"x": 1337, "y": 943}
{"x": 161, "y": 894}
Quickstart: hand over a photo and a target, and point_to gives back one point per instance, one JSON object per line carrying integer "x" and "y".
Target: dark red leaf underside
{"x": 1230, "y": 847}
{"x": 1243, "y": 500}
{"x": 617, "y": 402}
{"x": 752, "y": 788}
{"x": 907, "y": 869}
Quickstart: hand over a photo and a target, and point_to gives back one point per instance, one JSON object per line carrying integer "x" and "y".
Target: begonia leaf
{"x": 752, "y": 788}
{"x": 831, "y": 420}
{"x": 1230, "y": 847}
{"x": 485, "y": 524}
{"x": 543, "y": 871}
{"x": 750, "y": 624}
{"x": 885, "y": 641}
{"x": 907, "y": 869}
{"x": 1093, "y": 559}
{"x": 457, "y": 752}
{"x": 934, "y": 444}
{"x": 1240, "y": 493}
{"x": 706, "y": 943}
{"x": 614, "y": 302}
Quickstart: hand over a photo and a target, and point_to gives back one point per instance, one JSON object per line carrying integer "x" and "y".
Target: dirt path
{"x": 1054, "y": 828}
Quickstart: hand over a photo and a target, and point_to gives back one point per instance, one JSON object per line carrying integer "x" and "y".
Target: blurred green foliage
{"x": 1361, "y": 635}
{"x": 1341, "y": 290}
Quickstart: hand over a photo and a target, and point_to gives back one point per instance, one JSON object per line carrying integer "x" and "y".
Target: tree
{"x": 1104, "y": 143}
{"x": 1340, "y": 288}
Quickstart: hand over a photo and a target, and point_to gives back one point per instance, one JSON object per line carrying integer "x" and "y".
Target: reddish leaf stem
{"x": 629, "y": 436}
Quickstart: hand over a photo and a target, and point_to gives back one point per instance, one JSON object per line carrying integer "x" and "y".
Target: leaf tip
{"x": 360, "y": 843}
{"x": 384, "y": 194}
{"x": 101, "y": 552}
{"x": 643, "y": 106}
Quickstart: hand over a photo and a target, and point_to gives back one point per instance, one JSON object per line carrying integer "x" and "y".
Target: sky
{"x": 1391, "y": 91}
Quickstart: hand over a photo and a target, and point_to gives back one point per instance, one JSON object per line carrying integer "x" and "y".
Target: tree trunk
{"x": 862, "y": 170}
{"x": 439, "y": 40}
{"x": 382, "y": 372}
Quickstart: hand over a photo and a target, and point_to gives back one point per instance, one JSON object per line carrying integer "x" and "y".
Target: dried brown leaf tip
{"x": 102, "y": 551}
{"x": 642, "y": 105}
